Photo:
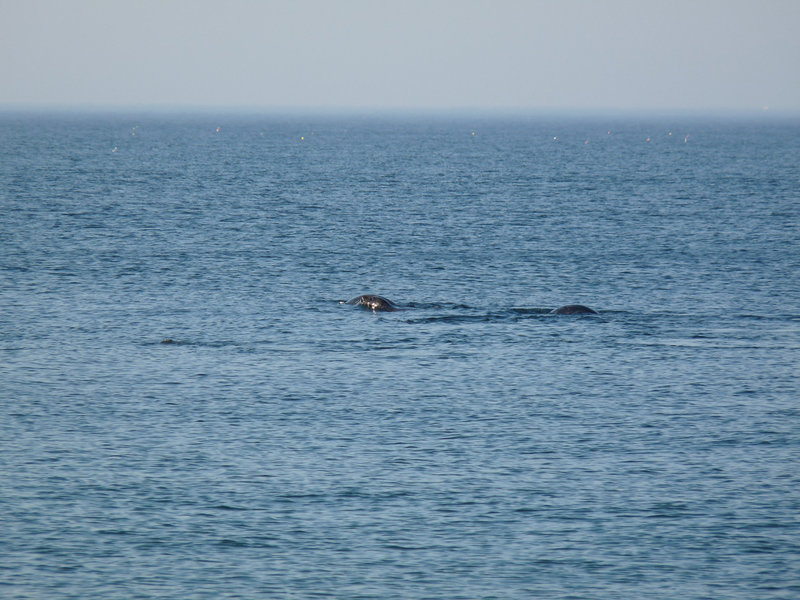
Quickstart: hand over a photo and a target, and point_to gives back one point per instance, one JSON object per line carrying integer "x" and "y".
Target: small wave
{"x": 531, "y": 311}
{"x": 438, "y": 306}
{"x": 472, "y": 315}
{"x": 484, "y": 318}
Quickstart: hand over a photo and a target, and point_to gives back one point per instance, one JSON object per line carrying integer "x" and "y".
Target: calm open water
{"x": 471, "y": 446}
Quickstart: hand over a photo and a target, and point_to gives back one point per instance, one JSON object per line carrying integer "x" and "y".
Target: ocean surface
{"x": 189, "y": 411}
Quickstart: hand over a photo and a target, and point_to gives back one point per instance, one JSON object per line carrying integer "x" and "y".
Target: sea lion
{"x": 574, "y": 309}
{"x": 373, "y": 303}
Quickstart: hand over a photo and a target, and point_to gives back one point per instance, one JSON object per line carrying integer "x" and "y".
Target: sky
{"x": 563, "y": 55}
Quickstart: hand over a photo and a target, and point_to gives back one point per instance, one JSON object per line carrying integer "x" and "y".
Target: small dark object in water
{"x": 373, "y": 303}
{"x": 574, "y": 309}
{"x": 170, "y": 341}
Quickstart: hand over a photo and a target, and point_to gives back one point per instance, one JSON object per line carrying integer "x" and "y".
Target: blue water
{"x": 472, "y": 445}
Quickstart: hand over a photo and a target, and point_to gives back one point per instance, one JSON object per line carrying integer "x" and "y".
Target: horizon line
{"x": 42, "y": 108}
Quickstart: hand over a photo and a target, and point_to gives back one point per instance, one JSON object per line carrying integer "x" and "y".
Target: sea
{"x": 190, "y": 410}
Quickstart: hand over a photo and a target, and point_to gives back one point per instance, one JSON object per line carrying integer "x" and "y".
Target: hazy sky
{"x": 558, "y": 54}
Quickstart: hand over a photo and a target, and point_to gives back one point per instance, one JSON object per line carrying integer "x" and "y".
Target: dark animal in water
{"x": 574, "y": 309}
{"x": 373, "y": 303}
